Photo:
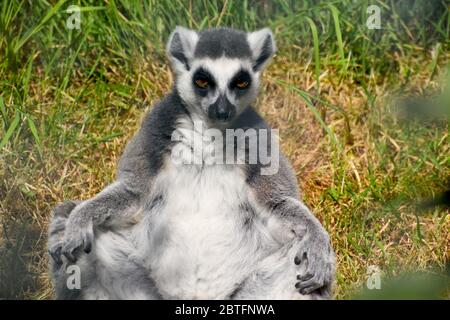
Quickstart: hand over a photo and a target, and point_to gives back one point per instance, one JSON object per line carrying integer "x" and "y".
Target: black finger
{"x": 70, "y": 256}
{"x": 311, "y": 288}
{"x": 310, "y": 285}
{"x": 88, "y": 248}
{"x": 305, "y": 277}
{"x": 298, "y": 260}
{"x": 56, "y": 255}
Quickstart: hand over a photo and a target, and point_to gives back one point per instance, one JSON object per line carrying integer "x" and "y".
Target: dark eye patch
{"x": 242, "y": 77}
{"x": 202, "y": 76}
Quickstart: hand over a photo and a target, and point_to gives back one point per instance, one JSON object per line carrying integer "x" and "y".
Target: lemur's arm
{"x": 315, "y": 257}
{"x": 138, "y": 165}
{"x": 108, "y": 205}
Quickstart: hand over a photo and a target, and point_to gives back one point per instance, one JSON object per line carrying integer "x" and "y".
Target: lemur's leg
{"x": 303, "y": 267}
{"x": 105, "y": 273}
{"x": 120, "y": 276}
{"x": 273, "y": 279}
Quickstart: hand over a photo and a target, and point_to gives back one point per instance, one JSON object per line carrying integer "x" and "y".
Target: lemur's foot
{"x": 316, "y": 263}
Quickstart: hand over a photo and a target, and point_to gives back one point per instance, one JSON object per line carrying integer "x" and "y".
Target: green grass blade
{"x": 10, "y": 130}
{"x": 35, "y": 134}
{"x": 38, "y": 27}
{"x": 3, "y": 111}
{"x": 315, "y": 35}
{"x": 337, "y": 27}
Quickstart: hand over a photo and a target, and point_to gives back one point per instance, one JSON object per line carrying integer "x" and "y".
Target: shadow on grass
{"x": 17, "y": 241}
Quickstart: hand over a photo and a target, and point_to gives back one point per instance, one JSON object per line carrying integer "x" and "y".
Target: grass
{"x": 70, "y": 99}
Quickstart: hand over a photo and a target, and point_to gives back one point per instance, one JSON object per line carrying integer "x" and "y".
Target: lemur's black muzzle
{"x": 222, "y": 109}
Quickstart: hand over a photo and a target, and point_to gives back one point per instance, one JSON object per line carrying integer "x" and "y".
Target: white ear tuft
{"x": 181, "y": 46}
{"x": 262, "y": 44}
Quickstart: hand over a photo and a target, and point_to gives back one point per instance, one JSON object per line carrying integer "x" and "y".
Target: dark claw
{"x": 310, "y": 289}
{"x": 305, "y": 277}
{"x": 70, "y": 257}
{"x": 88, "y": 240}
{"x": 310, "y": 286}
{"x": 298, "y": 260}
{"x": 56, "y": 255}
{"x": 88, "y": 247}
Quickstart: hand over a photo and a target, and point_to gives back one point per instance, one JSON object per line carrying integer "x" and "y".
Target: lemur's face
{"x": 220, "y": 88}
{"x": 218, "y": 70}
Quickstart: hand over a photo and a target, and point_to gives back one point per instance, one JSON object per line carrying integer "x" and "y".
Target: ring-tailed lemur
{"x": 177, "y": 230}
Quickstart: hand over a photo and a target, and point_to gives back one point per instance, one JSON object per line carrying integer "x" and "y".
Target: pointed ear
{"x": 181, "y": 46}
{"x": 262, "y": 45}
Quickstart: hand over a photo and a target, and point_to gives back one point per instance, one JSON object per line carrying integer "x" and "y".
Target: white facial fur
{"x": 223, "y": 70}
{"x": 181, "y": 49}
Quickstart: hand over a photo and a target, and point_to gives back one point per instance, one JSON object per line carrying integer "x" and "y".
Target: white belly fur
{"x": 195, "y": 241}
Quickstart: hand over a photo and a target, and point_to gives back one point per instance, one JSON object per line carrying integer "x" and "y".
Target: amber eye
{"x": 242, "y": 84}
{"x": 201, "y": 83}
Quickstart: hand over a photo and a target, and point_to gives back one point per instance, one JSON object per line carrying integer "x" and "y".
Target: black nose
{"x": 222, "y": 109}
{"x": 222, "y": 113}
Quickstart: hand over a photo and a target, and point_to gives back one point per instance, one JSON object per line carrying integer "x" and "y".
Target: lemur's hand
{"x": 57, "y": 228}
{"x": 315, "y": 259}
{"x": 78, "y": 235}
